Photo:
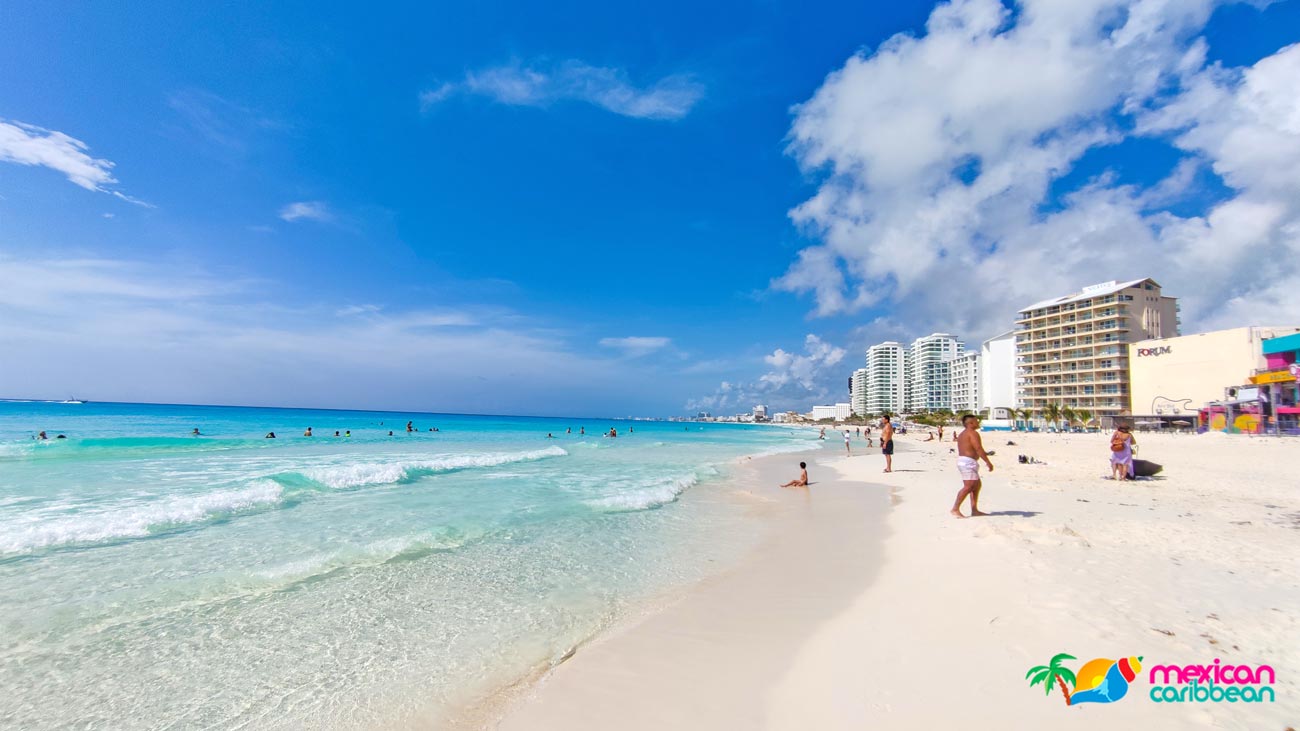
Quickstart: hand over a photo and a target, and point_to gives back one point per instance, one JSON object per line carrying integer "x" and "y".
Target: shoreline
{"x": 486, "y": 708}
{"x": 732, "y": 631}
{"x": 945, "y": 616}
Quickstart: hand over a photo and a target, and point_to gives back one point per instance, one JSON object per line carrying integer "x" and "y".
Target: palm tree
{"x": 1069, "y": 414}
{"x": 1084, "y": 416}
{"x": 1052, "y": 412}
{"x": 1053, "y": 672}
{"x": 1023, "y": 415}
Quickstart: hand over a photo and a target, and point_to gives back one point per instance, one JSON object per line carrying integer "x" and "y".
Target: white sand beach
{"x": 870, "y": 607}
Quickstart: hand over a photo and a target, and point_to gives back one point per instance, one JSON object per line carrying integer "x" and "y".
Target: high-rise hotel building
{"x": 929, "y": 372}
{"x": 858, "y": 392}
{"x": 1072, "y": 350}
{"x": 885, "y": 388}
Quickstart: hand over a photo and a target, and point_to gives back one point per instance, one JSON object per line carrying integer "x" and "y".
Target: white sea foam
{"x": 369, "y": 554}
{"x": 788, "y": 448}
{"x": 653, "y": 495}
{"x": 358, "y": 474}
{"x": 134, "y": 521}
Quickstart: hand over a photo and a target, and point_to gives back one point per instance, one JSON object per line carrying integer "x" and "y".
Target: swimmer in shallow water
{"x": 270, "y": 435}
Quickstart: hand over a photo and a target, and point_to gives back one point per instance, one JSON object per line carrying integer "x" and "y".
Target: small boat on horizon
{"x": 73, "y": 400}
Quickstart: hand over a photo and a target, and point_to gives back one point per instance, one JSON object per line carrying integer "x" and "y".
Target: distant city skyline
{"x": 585, "y": 210}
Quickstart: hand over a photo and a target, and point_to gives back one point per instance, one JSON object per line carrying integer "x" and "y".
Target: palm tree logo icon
{"x": 1053, "y": 673}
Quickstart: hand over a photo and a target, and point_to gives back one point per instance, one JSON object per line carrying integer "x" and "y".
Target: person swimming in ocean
{"x": 802, "y": 481}
{"x": 42, "y": 437}
{"x": 347, "y": 433}
{"x": 196, "y": 432}
{"x": 410, "y": 427}
{"x": 336, "y": 432}
{"x": 270, "y": 435}
{"x": 307, "y": 433}
{"x": 550, "y": 435}
{"x": 390, "y": 433}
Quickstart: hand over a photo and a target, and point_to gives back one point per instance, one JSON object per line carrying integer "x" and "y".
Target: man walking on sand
{"x": 887, "y": 443}
{"x": 970, "y": 449}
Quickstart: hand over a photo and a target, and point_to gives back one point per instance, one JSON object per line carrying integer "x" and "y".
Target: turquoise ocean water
{"x": 154, "y": 579}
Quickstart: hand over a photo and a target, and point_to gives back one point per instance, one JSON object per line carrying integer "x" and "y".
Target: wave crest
{"x": 360, "y": 474}
{"x": 654, "y": 495}
{"x": 137, "y": 521}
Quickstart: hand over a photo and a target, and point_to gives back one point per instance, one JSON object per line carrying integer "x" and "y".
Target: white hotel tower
{"x": 929, "y": 372}
{"x": 884, "y": 378}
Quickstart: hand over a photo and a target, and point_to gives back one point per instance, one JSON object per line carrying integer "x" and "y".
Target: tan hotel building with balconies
{"x": 1073, "y": 350}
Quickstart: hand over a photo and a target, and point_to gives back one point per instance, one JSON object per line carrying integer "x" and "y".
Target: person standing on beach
{"x": 970, "y": 449}
{"x": 1121, "y": 453}
{"x": 847, "y": 451}
{"x": 887, "y": 443}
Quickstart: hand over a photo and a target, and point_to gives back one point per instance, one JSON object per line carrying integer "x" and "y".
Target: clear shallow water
{"x": 151, "y": 579}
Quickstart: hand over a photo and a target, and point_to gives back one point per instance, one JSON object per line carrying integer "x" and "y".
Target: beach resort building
{"x": 1175, "y": 377}
{"x": 966, "y": 383}
{"x": 760, "y": 413}
{"x": 858, "y": 391}
{"x": 839, "y": 412}
{"x": 885, "y": 371}
{"x": 928, "y": 372}
{"x": 998, "y": 375}
{"x": 1073, "y": 350}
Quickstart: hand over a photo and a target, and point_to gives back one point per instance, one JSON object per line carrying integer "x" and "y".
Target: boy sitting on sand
{"x": 803, "y": 477}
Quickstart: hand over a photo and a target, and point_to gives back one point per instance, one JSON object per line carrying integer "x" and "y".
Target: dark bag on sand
{"x": 1146, "y": 468}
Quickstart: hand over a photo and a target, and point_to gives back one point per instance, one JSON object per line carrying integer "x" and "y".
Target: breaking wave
{"x": 359, "y": 474}
{"x": 660, "y": 492}
{"x": 137, "y": 521}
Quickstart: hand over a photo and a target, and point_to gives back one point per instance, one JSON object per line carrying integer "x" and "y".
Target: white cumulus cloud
{"x": 938, "y": 154}
{"x": 792, "y": 381}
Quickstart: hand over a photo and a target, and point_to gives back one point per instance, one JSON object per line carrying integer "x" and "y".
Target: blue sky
{"x": 579, "y": 208}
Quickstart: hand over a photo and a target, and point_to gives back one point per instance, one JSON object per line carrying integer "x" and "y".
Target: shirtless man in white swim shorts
{"x": 970, "y": 449}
